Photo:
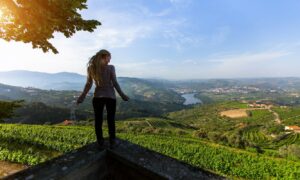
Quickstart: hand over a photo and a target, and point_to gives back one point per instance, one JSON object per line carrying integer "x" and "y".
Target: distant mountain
{"x": 50, "y": 106}
{"x": 41, "y": 80}
{"x": 137, "y": 88}
{"x": 56, "y": 93}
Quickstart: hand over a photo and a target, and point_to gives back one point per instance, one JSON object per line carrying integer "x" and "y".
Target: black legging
{"x": 98, "y": 105}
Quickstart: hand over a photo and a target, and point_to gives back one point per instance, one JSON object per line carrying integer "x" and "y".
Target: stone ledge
{"x": 126, "y": 161}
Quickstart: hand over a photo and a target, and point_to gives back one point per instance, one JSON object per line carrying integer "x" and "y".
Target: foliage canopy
{"x": 7, "y": 108}
{"x": 35, "y": 21}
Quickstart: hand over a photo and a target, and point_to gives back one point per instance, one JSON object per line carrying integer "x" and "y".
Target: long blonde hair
{"x": 94, "y": 66}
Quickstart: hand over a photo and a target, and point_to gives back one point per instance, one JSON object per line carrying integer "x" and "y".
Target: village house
{"x": 68, "y": 122}
{"x": 292, "y": 128}
{"x": 254, "y": 105}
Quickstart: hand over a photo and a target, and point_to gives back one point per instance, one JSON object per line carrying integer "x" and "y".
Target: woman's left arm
{"x": 87, "y": 87}
{"x": 116, "y": 84}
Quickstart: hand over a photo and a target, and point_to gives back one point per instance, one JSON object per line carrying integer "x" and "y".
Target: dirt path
{"x": 149, "y": 123}
{"x": 7, "y": 168}
{"x": 277, "y": 118}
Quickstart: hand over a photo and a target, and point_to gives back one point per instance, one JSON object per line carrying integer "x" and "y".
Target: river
{"x": 191, "y": 99}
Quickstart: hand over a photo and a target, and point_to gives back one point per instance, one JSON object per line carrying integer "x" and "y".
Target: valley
{"x": 235, "y": 128}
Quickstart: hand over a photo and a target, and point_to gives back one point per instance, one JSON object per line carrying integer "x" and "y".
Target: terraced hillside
{"x": 32, "y": 144}
{"x": 251, "y": 147}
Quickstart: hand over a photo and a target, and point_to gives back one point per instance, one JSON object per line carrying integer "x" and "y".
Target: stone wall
{"x": 126, "y": 161}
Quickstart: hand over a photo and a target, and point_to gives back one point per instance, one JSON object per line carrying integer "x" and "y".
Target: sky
{"x": 176, "y": 40}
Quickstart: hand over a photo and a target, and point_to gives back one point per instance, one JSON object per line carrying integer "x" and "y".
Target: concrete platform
{"x": 124, "y": 162}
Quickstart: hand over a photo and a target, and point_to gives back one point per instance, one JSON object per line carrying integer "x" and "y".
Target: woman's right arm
{"x": 116, "y": 84}
{"x": 87, "y": 87}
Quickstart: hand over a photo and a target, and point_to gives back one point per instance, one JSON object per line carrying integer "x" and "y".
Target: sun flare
{"x": 1, "y": 15}
{"x": 4, "y": 18}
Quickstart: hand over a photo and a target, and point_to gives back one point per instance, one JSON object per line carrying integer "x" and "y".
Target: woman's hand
{"x": 80, "y": 99}
{"x": 125, "y": 98}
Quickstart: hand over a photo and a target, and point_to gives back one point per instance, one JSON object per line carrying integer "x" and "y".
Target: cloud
{"x": 112, "y": 37}
{"x": 180, "y": 3}
{"x": 175, "y": 37}
{"x": 247, "y": 64}
{"x": 123, "y": 25}
{"x": 221, "y": 65}
{"x": 146, "y": 69}
{"x": 249, "y": 57}
{"x": 148, "y": 13}
{"x": 179, "y": 40}
{"x": 18, "y": 55}
{"x": 122, "y": 28}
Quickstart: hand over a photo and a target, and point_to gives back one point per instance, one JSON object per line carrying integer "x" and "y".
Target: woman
{"x": 104, "y": 76}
